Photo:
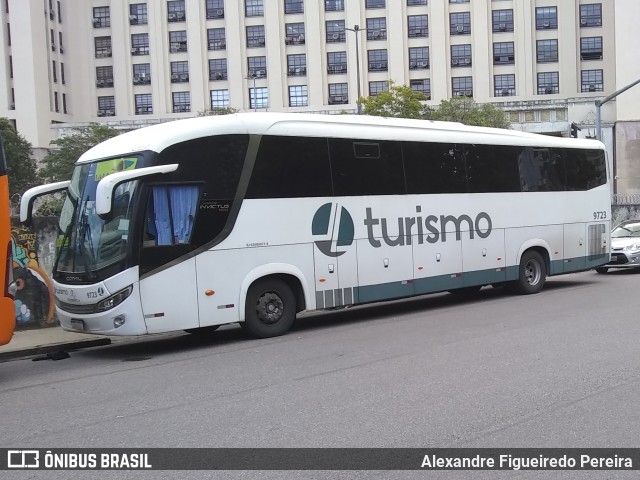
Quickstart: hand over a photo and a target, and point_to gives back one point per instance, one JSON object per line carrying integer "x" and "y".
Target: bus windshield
{"x": 86, "y": 242}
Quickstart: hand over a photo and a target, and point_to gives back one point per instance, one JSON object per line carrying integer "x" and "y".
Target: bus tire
{"x": 602, "y": 269}
{"x": 202, "y": 330}
{"x": 270, "y": 309}
{"x": 532, "y": 273}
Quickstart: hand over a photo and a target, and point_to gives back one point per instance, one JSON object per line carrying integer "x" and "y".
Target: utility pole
{"x": 356, "y": 29}
{"x": 599, "y": 104}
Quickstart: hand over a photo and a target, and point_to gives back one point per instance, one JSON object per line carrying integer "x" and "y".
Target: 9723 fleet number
{"x": 599, "y": 215}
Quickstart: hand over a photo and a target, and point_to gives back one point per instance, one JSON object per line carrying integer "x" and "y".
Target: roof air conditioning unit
{"x": 467, "y": 61}
{"x": 335, "y": 36}
{"x": 376, "y": 34}
{"x": 592, "y": 88}
{"x": 172, "y": 16}
{"x": 260, "y": 73}
{"x": 454, "y": 61}
{"x": 460, "y": 29}
{"x": 546, "y": 24}
{"x": 220, "y": 12}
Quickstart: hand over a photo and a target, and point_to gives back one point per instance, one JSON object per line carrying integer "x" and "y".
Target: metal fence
{"x": 625, "y": 199}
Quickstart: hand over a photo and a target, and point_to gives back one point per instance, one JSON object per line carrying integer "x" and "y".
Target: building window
{"x": 106, "y": 106}
{"x": 219, "y": 99}
{"x": 338, "y": 93}
{"x": 293, "y": 6}
{"x": 297, "y": 65}
{"x": 298, "y": 96}
{"x": 176, "y": 11}
{"x": 418, "y": 26}
{"x": 548, "y": 83}
{"x": 591, "y": 81}
{"x": 336, "y": 62}
{"x": 104, "y": 77}
{"x": 217, "y": 69}
{"x": 216, "y": 39}
{"x": 181, "y": 102}
{"x": 503, "y": 53}
{"x": 52, "y": 35}
{"x": 411, "y": 3}
{"x": 462, "y": 86}
{"x": 60, "y": 42}
{"x": 422, "y": 85}
{"x": 178, "y": 41}
{"x": 374, "y": 4}
{"x": 377, "y": 60}
{"x": 294, "y": 34}
{"x": 257, "y": 67}
{"x": 376, "y": 28}
{"x": 460, "y": 23}
{"x": 376, "y": 88}
{"x": 62, "y": 73}
{"x": 591, "y": 15}
{"x": 138, "y": 14}
{"x": 258, "y": 97}
{"x": 141, "y": 73}
{"x": 255, "y": 36}
{"x": 140, "y": 44}
{"x": 502, "y": 21}
{"x": 179, "y": 72}
{"x": 54, "y": 69}
{"x": 253, "y": 8}
{"x": 102, "y": 47}
{"x": 418, "y": 58}
{"x": 59, "y": 13}
{"x": 591, "y": 48}
{"x": 460, "y": 55}
{"x": 336, "y": 32}
{"x": 504, "y": 85}
{"x": 458, "y": 1}
{"x": 333, "y": 5}
{"x": 547, "y": 51}
{"x": 101, "y": 17}
{"x": 546, "y": 18}
{"x": 64, "y": 103}
{"x": 143, "y": 103}
{"x": 215, "y": 9}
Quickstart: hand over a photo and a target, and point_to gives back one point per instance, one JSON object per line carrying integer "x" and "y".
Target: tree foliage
{"x": 58, "y": 164}
{"x": 398, "y": 101}
{"x": 22, "y": 168}
{"x": 466, "y": 110}
{"x": 217, "y": 111}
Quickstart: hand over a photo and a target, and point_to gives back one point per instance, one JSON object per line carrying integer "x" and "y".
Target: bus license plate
{"x": 77, "y": 324}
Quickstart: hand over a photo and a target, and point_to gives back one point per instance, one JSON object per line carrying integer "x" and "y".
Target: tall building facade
{"x": 133, "y": 62}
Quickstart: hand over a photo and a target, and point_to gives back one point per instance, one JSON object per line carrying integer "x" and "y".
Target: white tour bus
{"x": 254, "y": 217}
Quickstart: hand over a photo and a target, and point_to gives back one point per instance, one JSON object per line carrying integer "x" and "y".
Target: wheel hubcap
{"x": 532, "y": 272}
{"x": 270, "y": 308}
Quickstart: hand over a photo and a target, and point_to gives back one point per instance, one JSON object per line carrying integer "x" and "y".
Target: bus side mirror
{"x": 107, "y": 185}
{"x": 27, "y": 199}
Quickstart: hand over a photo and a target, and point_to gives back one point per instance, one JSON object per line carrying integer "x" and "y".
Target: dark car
{"x": 625, "y": 246}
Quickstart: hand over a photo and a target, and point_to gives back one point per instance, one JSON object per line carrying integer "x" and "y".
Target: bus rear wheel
{"x": 602, "y": 269}
{"x": 532, "y": 273}
{"x": 270, "y": 309}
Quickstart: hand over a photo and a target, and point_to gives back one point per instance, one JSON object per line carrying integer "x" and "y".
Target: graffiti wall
{"x": 33, "y": 257}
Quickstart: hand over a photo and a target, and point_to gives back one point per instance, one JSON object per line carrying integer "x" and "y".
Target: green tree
{"x": 217, "y": 111}
{"x": 22, "y": 169}
{"x": 398, "y": 101}
{"x": 466, "y": 110}
{"x": 58, "y": 164}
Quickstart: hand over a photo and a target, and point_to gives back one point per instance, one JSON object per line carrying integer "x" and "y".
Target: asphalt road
{"x": 557, "y": 369}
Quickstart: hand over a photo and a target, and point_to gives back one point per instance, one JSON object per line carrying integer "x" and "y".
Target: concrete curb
{"x": 53, "y": 347}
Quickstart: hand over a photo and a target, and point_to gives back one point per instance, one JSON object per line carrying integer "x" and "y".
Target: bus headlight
{"x": 115, "y": 299}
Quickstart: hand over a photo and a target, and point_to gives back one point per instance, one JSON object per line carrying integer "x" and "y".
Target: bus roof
{"x": 158, "y": 137}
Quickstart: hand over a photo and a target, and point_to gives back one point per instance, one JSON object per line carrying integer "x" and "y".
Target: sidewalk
{"x": 47, "y": 340}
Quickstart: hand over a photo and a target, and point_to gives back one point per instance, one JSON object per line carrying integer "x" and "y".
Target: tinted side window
{"x": 541, "y": 170}
{"x": 365, "y": 167}
{"x": 585, "y": 169}
{"x": 492, "y": 168}
{"x": 291, "y": 167}
{"x": 434, "y": 168}
{"x": 216, "y": 162}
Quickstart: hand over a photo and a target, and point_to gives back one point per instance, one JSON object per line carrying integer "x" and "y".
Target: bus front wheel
{"x": 270, "y": 309}
{"x": 533, "y": 273}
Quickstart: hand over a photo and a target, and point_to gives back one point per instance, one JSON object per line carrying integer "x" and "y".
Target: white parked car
{"x": 625, "y": 246}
